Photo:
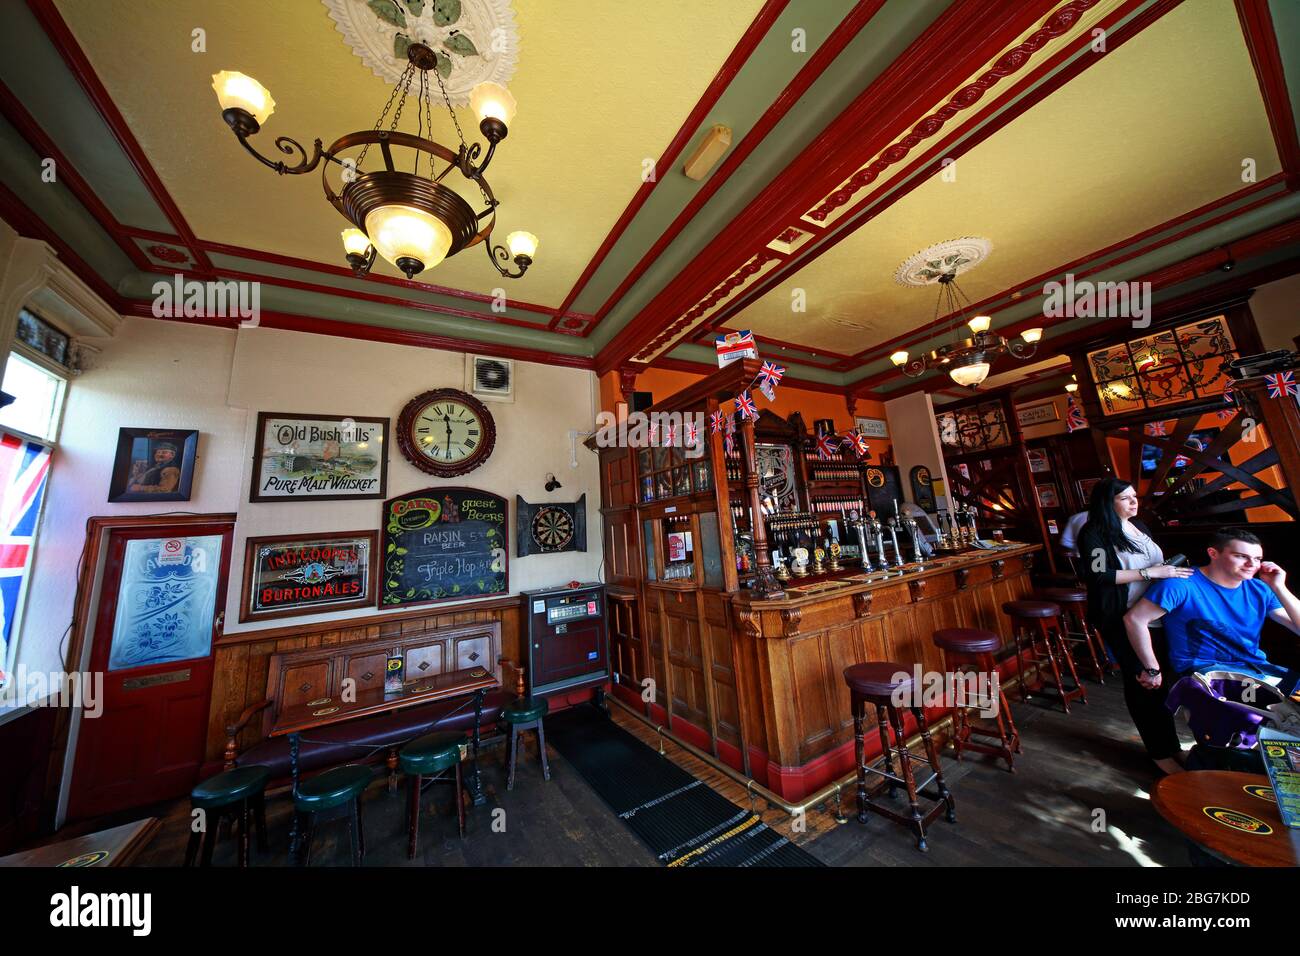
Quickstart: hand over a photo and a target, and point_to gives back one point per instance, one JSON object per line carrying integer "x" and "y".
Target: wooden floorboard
{"x": 1045, "y": 814}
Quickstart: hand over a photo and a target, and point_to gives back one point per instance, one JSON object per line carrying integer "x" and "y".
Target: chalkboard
{"x": 443, "y": 544}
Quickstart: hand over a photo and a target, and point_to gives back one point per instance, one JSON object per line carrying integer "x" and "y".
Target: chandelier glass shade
{"x": 400, "y": 207}
{"x": 967, "y": 361}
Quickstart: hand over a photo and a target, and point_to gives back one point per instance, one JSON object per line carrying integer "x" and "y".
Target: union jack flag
{"x": 692, "y": 434}
{"x": 745, "y": 406}
{"x": 825, "y": 445}
{"x": 771, "y": 372}
{"x": 25, "y": 466}
{"x": 854, "y": 440}
{"x": 1074, "y": 417}
{"x": 1281, "y": 384}
{"x": 670, "y": 436}
{"x": 1156, "y": 430}
{"x": 768, "y": 388}
{"x": 1229, "y": 395}
{"x": 729, "y": 443}
{"x": 715, "y": 423}
{"x": 654, "y": 433}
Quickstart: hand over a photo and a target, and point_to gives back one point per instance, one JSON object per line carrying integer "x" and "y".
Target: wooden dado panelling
{"x": 799, "y": 706}
{"x": 242, "y": 663}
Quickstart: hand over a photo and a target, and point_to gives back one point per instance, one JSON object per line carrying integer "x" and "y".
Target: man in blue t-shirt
{"x": 1213, "y": 619}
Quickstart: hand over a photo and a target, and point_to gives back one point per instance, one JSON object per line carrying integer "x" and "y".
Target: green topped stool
{"x": 431, "y": 756}
{"x": 337, "y": 789}
{"x": 526, "y": 713}
{"x": 240, "y": 792}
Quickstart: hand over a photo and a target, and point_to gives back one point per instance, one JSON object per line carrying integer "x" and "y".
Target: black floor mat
{"x": 682, "y": 820}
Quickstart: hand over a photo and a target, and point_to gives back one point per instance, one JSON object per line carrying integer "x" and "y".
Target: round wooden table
{"x": 1230, "y": 815}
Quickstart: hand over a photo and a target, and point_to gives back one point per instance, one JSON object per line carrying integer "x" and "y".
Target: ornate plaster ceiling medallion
{"x": 474, "y": 41}
{"x": 952, "y": 257}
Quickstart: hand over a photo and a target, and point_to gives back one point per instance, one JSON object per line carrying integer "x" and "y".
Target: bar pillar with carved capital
{"x": 765, "y": 580}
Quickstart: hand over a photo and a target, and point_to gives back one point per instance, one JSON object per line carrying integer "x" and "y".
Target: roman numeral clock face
{"x": 446, "y": 432}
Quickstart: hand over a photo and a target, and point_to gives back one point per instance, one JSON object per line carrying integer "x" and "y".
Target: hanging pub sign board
{"x": 734, "y": 346}
{"x": 318, "y": 457}
{"x": 922, "y": 488}
{"x": 288, "y": 575}
{"x": 1037, "y": 413}
{"x": 551, "y": 527}
{"x": 443, "y": 544}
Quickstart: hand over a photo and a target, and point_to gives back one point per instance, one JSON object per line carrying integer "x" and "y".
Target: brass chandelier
{"x": 401, "y": 211}
{"x": 967, "y": 361}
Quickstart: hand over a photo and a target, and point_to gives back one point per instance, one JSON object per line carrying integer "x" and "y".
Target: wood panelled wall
{"x": 242, "y": 661}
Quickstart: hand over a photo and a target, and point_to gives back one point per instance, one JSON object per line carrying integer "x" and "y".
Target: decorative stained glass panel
{"x": 1166, "y": 368}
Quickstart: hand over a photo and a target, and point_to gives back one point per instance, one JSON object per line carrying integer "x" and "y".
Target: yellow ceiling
{"x": 601, "y": 86}
{"x": 1158, "y": 127}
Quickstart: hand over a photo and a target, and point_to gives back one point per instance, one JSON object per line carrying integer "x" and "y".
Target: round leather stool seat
{"x": 230, "y": 787}
{"x": 877, "y": 678}
{"x": 332, "y": 788}
{"x": 525, "y": 710}
{"x": 432, "y": 753}
{"x": 967, "y": 640}
{"x": 1062, "y": 595}
{"x": 1031, "y": 609}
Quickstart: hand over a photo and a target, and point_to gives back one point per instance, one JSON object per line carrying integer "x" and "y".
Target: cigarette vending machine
{"x": 568, "y": 643}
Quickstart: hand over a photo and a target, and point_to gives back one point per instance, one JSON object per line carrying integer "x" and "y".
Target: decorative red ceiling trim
{"x": 238, "y": 276}
{"x": 292, "y": 322}
{"x": 1191, "y": 268}
{"x": 65, "y": 172}
{"x": 1131, "y": 250}
{"x": 703, "y": 368}
{"x": 26, "y": 223}
{"x": 59, "y": 34}
{"x": 824, "y": 56}
{"x": 730, "y": 69}
{"x": 965, "y": 37}
{"x": 258, "y": 255}
{"x": 1031, "y": 90}
{"x": 1261, "y": 41}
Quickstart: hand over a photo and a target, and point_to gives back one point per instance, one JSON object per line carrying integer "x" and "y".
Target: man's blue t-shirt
{"x": 1210, "y": 627}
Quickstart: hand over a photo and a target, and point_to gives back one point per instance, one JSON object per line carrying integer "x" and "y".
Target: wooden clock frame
{"x": 411, "y": 452}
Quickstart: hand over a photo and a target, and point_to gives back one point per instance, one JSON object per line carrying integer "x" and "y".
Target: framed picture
{"x": 1085, "y": 489}
{"x": 318, "y": 457}
{"x": 1037, "y": 413}
{"x": 291, "y": 575}
{"x": 1038, "y": 462}
{"x": 872, "y": 427}
{"x": 1047, "y": 496}
{"x": 153, "y": 464}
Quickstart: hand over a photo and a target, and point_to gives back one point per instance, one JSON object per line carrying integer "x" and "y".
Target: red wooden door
{"x": 164, "y": 588}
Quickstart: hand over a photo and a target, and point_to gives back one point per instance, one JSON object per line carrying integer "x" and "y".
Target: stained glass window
{"x": 974, "y": 428}
{"x": 1166, "y": 368}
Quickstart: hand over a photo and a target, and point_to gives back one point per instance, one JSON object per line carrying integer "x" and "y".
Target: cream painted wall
{"x": 915, "y": 438}
{"x": 177, "y": 375}
{"x": 1276, "y": 308}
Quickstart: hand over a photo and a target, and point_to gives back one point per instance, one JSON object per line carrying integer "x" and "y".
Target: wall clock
{"x": 446, "y": 432}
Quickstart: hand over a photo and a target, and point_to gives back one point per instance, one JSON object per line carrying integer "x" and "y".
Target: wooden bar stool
{"x": 431, "y": 756}
{"x": 526, "y": 713}
{"x": 1075, "y": 627}
{"x": 883, "y": 684}
{"x": 337, "y": 789}
{"x": 240, "y": 792}
{"x": 968, "y": 647}
{"x": 1035, "y": 622}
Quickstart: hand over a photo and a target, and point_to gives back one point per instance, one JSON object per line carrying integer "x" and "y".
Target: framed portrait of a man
{"x": 153, "y": 464}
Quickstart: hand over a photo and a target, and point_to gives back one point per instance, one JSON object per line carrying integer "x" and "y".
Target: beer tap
{"x": 914, "y": 529}
{"x": 893, "y": 537}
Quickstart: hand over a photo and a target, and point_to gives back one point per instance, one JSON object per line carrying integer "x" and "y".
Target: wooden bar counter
{"x": 792, "y": 652}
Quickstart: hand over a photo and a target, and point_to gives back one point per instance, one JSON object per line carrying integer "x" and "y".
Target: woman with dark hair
{"x": 1117, "y": 559}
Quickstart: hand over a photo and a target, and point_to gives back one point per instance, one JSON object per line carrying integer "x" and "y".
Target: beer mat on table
{"x": 681, "y": 819}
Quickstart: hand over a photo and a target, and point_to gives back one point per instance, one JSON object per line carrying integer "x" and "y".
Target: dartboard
{"x": 552, "y": 528}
